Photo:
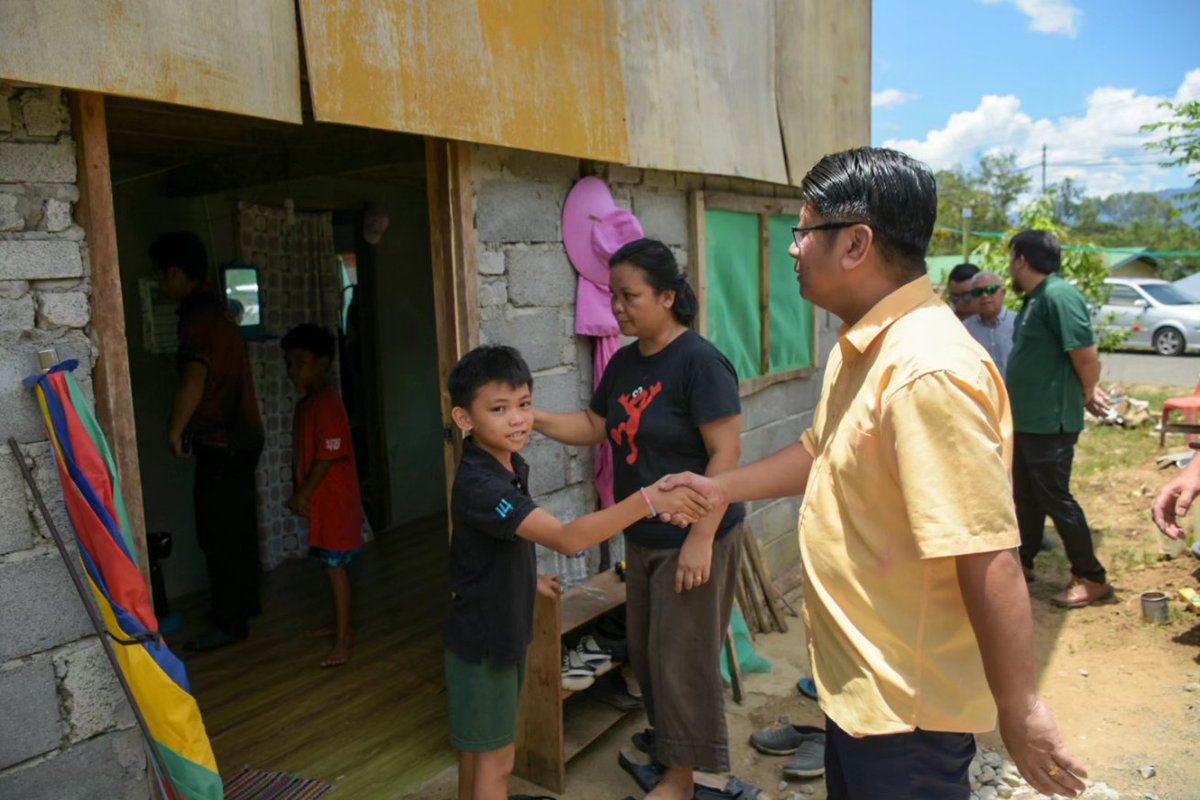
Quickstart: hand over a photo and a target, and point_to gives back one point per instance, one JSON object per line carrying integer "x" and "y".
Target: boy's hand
{"x": 683, "y": 503}
{"x": 300, "y": 504}
{"x": 549, "y": 585}
{"x": 175, "y": 441}
{"x": 702, "y": 484}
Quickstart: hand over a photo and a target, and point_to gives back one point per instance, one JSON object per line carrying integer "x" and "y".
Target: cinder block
{"x": 535, "y": 334}
{"x": 18, "y": 360}
{"x": 112, "y": 767}
{"x": 11, "y": 218}
{"x": 42, "y": 111}
{"x": 658, "y": 179}
{"x": 619, "y": 173}
{"x": 569, "y": 503}
{"x": 23, "y": 162}
{"x": 540, "y": 277}
{"x": 767, "y": 439}
{"x": 63, "y": 309}
{"x": 547, "y": 465}
{"x": 57, "y": 215}
{"x": 518, "y": 211}
{"x": 41, "y": 607}
{"x": 16, "y": 533}
{"x": 493, "y": 292}
{"x": 94, "y": 702}
{"x": 39, "y": 259}
{"x": 559, "y": 390}
{"x": 30, "y": 723}
{"x": 663, "y": 215}
{"x": 781, "y": 518}
{"x": 779, "y": 401}
{"x": 17, "y": 315}
{"x": 491, "y": 262}
{"x": 5, "y": 115}
{"x": 11, "y": 290}
{"x": 543, "y": 167}
{"x": 781, "y": 554}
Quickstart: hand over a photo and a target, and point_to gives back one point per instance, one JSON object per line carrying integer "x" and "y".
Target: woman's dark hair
{"x": 181, "y": 249}
{"x": 486, "y": 364}
{"x": 893, "y": 193}
{"x": 1040, "y": 248}
{"x": 658, "y": 263}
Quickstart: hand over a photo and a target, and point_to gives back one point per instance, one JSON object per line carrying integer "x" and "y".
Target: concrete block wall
{"x": 66, "y": 730}
{"x": 527, "y": 299}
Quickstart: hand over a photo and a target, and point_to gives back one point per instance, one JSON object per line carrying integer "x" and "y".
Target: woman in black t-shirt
{"x": 669, "y": 403}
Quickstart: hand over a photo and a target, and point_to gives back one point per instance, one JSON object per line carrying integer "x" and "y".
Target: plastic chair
{"x": 1190, "y": 406}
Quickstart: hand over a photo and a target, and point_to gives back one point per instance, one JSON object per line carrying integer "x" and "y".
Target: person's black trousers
{"x": 1041, "y": 488}
{"x": 920, "y": 765}
{"x": 227, "y": 531}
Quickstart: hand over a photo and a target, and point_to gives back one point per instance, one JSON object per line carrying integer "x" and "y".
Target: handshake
{"x": 684, "y": 498}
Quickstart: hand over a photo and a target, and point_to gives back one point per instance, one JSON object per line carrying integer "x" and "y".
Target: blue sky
{"x": 953, "y": 79}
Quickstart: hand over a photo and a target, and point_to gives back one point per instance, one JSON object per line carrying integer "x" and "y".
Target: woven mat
{"x": 257, "y": 784}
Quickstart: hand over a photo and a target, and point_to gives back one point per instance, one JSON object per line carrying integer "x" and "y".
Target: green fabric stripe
{"x": 196, "y": 782}
{"x": 84, "y": 409}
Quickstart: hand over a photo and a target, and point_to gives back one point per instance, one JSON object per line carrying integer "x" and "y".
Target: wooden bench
{"x": 554, "y": 724}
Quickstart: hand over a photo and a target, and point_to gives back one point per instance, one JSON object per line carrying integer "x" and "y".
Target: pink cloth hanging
{"x": 594, "y": 317}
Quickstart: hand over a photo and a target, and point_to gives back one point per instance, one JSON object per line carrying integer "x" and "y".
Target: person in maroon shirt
{"x": 215, "y": 419}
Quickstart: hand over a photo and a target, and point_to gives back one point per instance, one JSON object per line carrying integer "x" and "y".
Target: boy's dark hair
{"x": 1040, "y": 248}
{"x": 313, "y": 338}
{"x": 483, "y": 365}
{"x": 658, "y": 263}
{"x": 893, "y": 193}
{"x": 181, "y": 249}
{"x": 962, "y": 272}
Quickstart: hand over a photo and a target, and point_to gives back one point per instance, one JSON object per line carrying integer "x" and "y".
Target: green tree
{"x": 990, "y": 191}
{"x": 1181, "y": 144}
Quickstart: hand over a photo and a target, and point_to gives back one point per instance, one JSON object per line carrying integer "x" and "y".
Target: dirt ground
{"x": 1126, "y": 693}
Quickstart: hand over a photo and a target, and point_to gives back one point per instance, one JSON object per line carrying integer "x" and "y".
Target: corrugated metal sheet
{"x": 700, "y": 86}
{"x": 823, "y": 66}
{"x": 224, "y": 55}
{"x": 539, "y": 75}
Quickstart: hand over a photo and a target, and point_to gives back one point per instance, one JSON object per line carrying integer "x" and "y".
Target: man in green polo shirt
{"x": 1053, "y": 374}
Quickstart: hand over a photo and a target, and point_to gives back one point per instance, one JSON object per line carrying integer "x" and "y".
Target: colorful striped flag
{"x": 156, "y": 677}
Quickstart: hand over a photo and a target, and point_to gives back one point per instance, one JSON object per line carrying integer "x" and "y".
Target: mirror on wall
{"x": 243, "y": 293}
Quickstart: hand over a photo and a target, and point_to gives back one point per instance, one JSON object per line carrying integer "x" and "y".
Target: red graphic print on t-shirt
{"x": 635, "y": 405}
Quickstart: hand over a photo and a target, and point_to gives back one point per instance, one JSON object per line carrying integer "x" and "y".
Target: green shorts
{"x": 483, "y": 703}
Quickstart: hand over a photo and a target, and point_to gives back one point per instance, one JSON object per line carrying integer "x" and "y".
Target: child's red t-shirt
{"x": 321, "y": 431}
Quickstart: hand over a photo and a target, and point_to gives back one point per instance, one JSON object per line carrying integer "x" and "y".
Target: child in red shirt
{"x": 326, "y": 478}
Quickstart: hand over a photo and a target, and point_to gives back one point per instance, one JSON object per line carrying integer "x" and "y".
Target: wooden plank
{"x": 754, "y": 204}
{"x": 582, "y": 604}
{"x": 224, "y": 55}
{"x": 735, "y": 668}
{"x": 111, "y": 379}
{"x": 708, "y": 60}
{"x": 698, "y": 250}
{"x": 823, "y": 65}
{"x": 586, "y": 719}
{"x": 466, "y": 258}
{"x": 764, "y": 292}
{"x": 755, "y": 385}
{"x": 743, "y": 602}
{"x": 770, "y": 596}
{"x": 540, "y": 753}
{"x": 754, "y": 594}
{"x": 537, "y": 75}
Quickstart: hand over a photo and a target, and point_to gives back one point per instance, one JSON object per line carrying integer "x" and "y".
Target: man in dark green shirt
{"x": 1053, "y": 374}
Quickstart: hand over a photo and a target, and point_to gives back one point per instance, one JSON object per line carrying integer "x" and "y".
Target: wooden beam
{"x": 113, "y": 387}
{"x": 698, "y": 248}
{"x": 764, "y": 292}
{"x": 749, "y": 204}
{"x": 756, "y": 385}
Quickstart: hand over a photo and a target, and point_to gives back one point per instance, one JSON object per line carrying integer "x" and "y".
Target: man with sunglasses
{"x": 992, "y": 327}
{"x": 958, "y": 291}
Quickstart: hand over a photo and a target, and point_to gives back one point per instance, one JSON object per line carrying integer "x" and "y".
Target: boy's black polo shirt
{"x": 493, "y": 572}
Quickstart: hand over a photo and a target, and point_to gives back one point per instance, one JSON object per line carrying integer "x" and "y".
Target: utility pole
{"x": 966, "y": 230}
{"x": 1043, "y": 169}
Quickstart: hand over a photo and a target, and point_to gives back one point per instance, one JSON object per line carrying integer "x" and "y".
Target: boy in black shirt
{"x": 493, "y": 573}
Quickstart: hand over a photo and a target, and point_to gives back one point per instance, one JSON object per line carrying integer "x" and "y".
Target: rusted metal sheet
{"x": 823, "y": 62}
{"x": 224, "y": 55}
{"x": 700, "y": 86}
{"x": 539, "y": 75}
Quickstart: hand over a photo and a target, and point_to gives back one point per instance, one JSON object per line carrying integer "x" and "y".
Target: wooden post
{"x": 764, "y": 291}
{"x": 113, "y": 387}
{"x": 696, "y": 254}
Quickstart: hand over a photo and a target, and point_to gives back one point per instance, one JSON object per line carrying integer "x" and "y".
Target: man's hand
{"x": 549, "y": 585}
{"x": 300, "y": 504}
{"x": 175, "y": 441}
{"x": 695, "y": 563}
{"x": 703, "y": 485}
{"x": 1099, "y": 403}
{"x": 1175, "y": 499}
{"x": 1033, "y": 742}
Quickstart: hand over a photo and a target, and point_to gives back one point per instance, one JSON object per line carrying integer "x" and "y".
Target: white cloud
{"x": 1103, "y": 149}
{"x": 1048, "y": 16}
{"x": 890, "y": 98}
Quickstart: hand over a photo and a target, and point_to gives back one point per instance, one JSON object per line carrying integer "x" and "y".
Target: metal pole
{"x": 966, "y": 232}
{"x": 1043, "y": 169}
{"x": 89, "y": 603}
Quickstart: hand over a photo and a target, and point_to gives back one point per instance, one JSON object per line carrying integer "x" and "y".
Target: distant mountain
{"x": 1190, "y": 217}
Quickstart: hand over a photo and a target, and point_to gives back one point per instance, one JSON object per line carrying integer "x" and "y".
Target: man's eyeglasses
{"x": 802, "y": 231}
{"x": 980, "y": 291}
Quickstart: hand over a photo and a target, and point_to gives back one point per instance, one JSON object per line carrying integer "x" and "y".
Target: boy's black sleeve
{"x": 495, "y": 507}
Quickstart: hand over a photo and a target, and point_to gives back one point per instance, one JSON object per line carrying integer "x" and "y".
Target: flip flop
{"x": 646, "y": 775}
{"x": 807, "y": 687}
{"x": 736, "y": 789}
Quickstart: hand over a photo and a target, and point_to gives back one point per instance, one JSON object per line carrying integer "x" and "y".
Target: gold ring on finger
{"x": 1054, "y": 770}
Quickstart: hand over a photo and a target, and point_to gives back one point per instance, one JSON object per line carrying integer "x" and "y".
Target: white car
{"x": 1157, "y": 314}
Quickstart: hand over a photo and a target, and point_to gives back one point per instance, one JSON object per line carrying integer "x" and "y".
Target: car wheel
{"x": 1168, "y": 342}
